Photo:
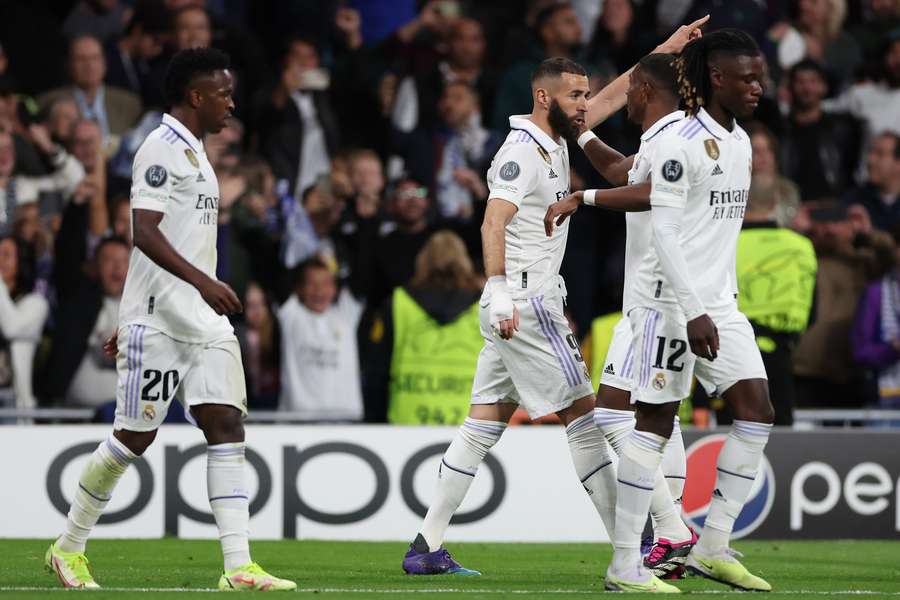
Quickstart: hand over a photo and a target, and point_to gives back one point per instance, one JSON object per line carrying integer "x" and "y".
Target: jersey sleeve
{"x": 513, "y": 174}
{"x": 152, "y": 175}
{"x": 669, "y": 179}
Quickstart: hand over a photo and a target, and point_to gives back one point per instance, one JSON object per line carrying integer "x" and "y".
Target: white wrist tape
{"x": 589, "y": 197}
{"x": 585, "y": 137}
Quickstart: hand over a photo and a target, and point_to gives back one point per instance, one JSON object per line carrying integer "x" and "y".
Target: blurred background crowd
{"x": 352, "y": 189}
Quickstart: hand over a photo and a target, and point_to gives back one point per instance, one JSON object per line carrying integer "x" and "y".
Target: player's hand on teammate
{"x": 220, "y": 297}
{"x": 111, "y": 345}
{"x": 559, "y": 211}
{"x": 703, "y": 337}
{"x": 684, "y": 34}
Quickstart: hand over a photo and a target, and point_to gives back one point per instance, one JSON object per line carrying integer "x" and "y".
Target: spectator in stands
{"x": 452, "y": 159}
{"x": 819, "y": 150}
{"x": 62, "y": 114}
{"x": 388, "y": 260}
{"x": 297, "y": 130}
{"x": 766, "y": 176}
{"x": 320, "y": 378}
{"x": 192, "y": 28}
{"x": 17, "y": 191}
{"x": 559, "y": 34}
{"x": 875, "y": 103}
{"x": 259, "y": 337}
{"x": 431, "y": 338}
{"x": 823, "y": 362}
{"x": 882, "y": 17}
{"x": 114, "y": 109}
{"x": 418, "y": 96}
{"x": 618, "y": 38}
{"x": 77, "y": 370}
{"x": 102, "y": 19}
{"x": 367, "y": 178}
{"x": 129, "y": 59}
{"x": 776, "y": 275}
{"x": 880, "y": 195}
{"x": 22, "y": 316}
{"x": 310, "y": 227}
{"x": 120, "y": 217}
{"x": 817, "y": 34}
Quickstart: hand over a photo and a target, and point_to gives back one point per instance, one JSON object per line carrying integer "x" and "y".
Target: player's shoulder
{"x": 159, "y": 143}
{"x": 519, "y": 153}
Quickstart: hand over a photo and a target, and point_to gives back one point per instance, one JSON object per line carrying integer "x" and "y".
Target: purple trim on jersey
{"x": 707, "y": 128}
{"x": 129, "y": 359}
{"x": 644, "y": 344}
{"x": 118, "y": 455}
{"x": 690, "y": 129}
{"x": 556, "y": 343}
{"x": 168, "y": 136}
{"x": 560, "y": 340}
{"x": 647, "y": 350}
{"x": 660, "y": 130}
{"x": 175, "y": 131}
{"x": 687, "y": 125}
{"x": 139, "y": 364}
{"x": 528, "y": 133}
{"x": 628, "y": 363}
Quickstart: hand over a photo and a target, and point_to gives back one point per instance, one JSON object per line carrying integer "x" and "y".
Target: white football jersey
{"x": 531, "y": 170}
{"x": 704, "y": 169}
{"x": 172, "y": 175}
{"x": 637, "y": 224}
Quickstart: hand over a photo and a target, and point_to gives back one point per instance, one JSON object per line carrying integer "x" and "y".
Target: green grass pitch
{"x": 171, "y": 568}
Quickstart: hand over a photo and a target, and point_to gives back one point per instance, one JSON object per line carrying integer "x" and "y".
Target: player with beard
{"x": 530, "y": 356}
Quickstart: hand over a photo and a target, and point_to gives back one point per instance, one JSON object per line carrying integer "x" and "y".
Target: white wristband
{"x": 589, "y": 197}
{"x": 497, "y": 284}
{"x": 585, "y": 137}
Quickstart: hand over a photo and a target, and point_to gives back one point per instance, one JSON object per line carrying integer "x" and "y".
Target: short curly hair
{"x": 186, "y": 66}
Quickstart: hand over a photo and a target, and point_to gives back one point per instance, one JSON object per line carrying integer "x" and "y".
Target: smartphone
{"x": 448, "y": 8}
{"x": 315, "y": 79}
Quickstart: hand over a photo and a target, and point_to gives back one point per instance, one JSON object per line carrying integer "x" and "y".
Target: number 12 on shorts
{"x": 677, "y": 347}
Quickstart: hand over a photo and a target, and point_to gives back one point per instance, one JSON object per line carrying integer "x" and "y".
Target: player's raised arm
{"x": 612, "y": 97}
{"x": 628, "y": 198}
{"x": 609, "y": 162}
{"x": 670, "y": 183}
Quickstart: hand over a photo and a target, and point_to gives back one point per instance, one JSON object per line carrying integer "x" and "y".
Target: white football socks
{"x": 594, "y": 467}
{"x": 456, "y": 473}
{"x": 666, "y": 504}
{"x": 229, "y": 500}
{"x": 617, "y": 426}
{"x": 674, "y": 463}
{"x": 638, "y": 465}
{"x": 736, "y": 470}
{"x": 95, "y": 486}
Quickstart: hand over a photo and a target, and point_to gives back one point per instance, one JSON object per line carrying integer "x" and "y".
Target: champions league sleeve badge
{"x": 156, "y": 175}
{"x": 672, "y": 170}
{"x": 510, "y": 171}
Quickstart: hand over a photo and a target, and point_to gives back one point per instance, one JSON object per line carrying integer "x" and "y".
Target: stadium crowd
{"x": 352, "y": 188}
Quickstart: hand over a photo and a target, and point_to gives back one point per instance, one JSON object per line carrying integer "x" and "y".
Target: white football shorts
{"x": 154, "y": 368}
{"x": 540, "y": 368}
{"x": 618, "y": 367}
{"x": 665, "y": 366}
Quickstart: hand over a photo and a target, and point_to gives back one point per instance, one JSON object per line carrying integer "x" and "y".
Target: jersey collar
{"x": 523, "y": 123}
{"x": 672, "y": 117}
{"x": 712, "y": 126}
{"x": 181, "y": 131}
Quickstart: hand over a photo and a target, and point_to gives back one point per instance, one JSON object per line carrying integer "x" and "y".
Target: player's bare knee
{"x": 656, "y": 418}
{"x": 613, "y": 398}
{"x": 221, "y": 424}
{"x": 749, "y": 401}
{"x": 579, "y": 408}
{"x": 136, "y": 441}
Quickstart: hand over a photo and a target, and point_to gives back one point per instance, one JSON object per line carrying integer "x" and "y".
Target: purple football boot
{"x": 419, "y": 561}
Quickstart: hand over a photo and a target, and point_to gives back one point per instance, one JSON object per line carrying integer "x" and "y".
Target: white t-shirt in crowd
{"x": 320, "y": 376}
{"x": 172, "y": 175}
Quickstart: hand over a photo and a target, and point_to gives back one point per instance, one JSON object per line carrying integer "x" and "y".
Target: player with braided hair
{"x": 683, "y": 297}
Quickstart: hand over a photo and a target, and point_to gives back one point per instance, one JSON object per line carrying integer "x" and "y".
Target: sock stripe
{"x": 591, "y": 474}
{"x": 452, "y": 468}
{"x": 582, "y": 422}
{"x": 229, "y": 497}
{"x": 119, "y": 456}
{"x": 648, "y": 441}
{"x": 484, "y": 427}
{"x": 611, "y": 416}
{"x": 89, "y": 493}
{"x": 634, "y": 485}
{"x": 674, "y": 476}
{"x": 727, "y": 472}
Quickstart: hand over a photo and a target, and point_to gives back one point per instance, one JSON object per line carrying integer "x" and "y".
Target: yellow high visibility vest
{"x": 601, "y": 337}
{"x": 433, "y": 365}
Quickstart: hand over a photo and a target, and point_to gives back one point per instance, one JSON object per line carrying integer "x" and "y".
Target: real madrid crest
{"x": 712, "y": 149}
{"x": 193, "y": 158}
{"x": 544, "y": 154}
{"x": 659, "y": 382}
{"x": 149, "y": 413}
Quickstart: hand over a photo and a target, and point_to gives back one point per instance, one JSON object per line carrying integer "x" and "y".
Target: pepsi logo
{"x": 701, "y": 482}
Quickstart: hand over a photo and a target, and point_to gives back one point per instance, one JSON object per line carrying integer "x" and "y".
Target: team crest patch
{"x": 149, "y": 413}
{"x": 672, "y": 170}
{"x": 659, "y": 382}
{"x": 712, "y": 148}
{"x": 156, "y": 175}
{"x": 510, "y": 171}
{"x": 192, "y": 157}
{"x": 544, "y": 154}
